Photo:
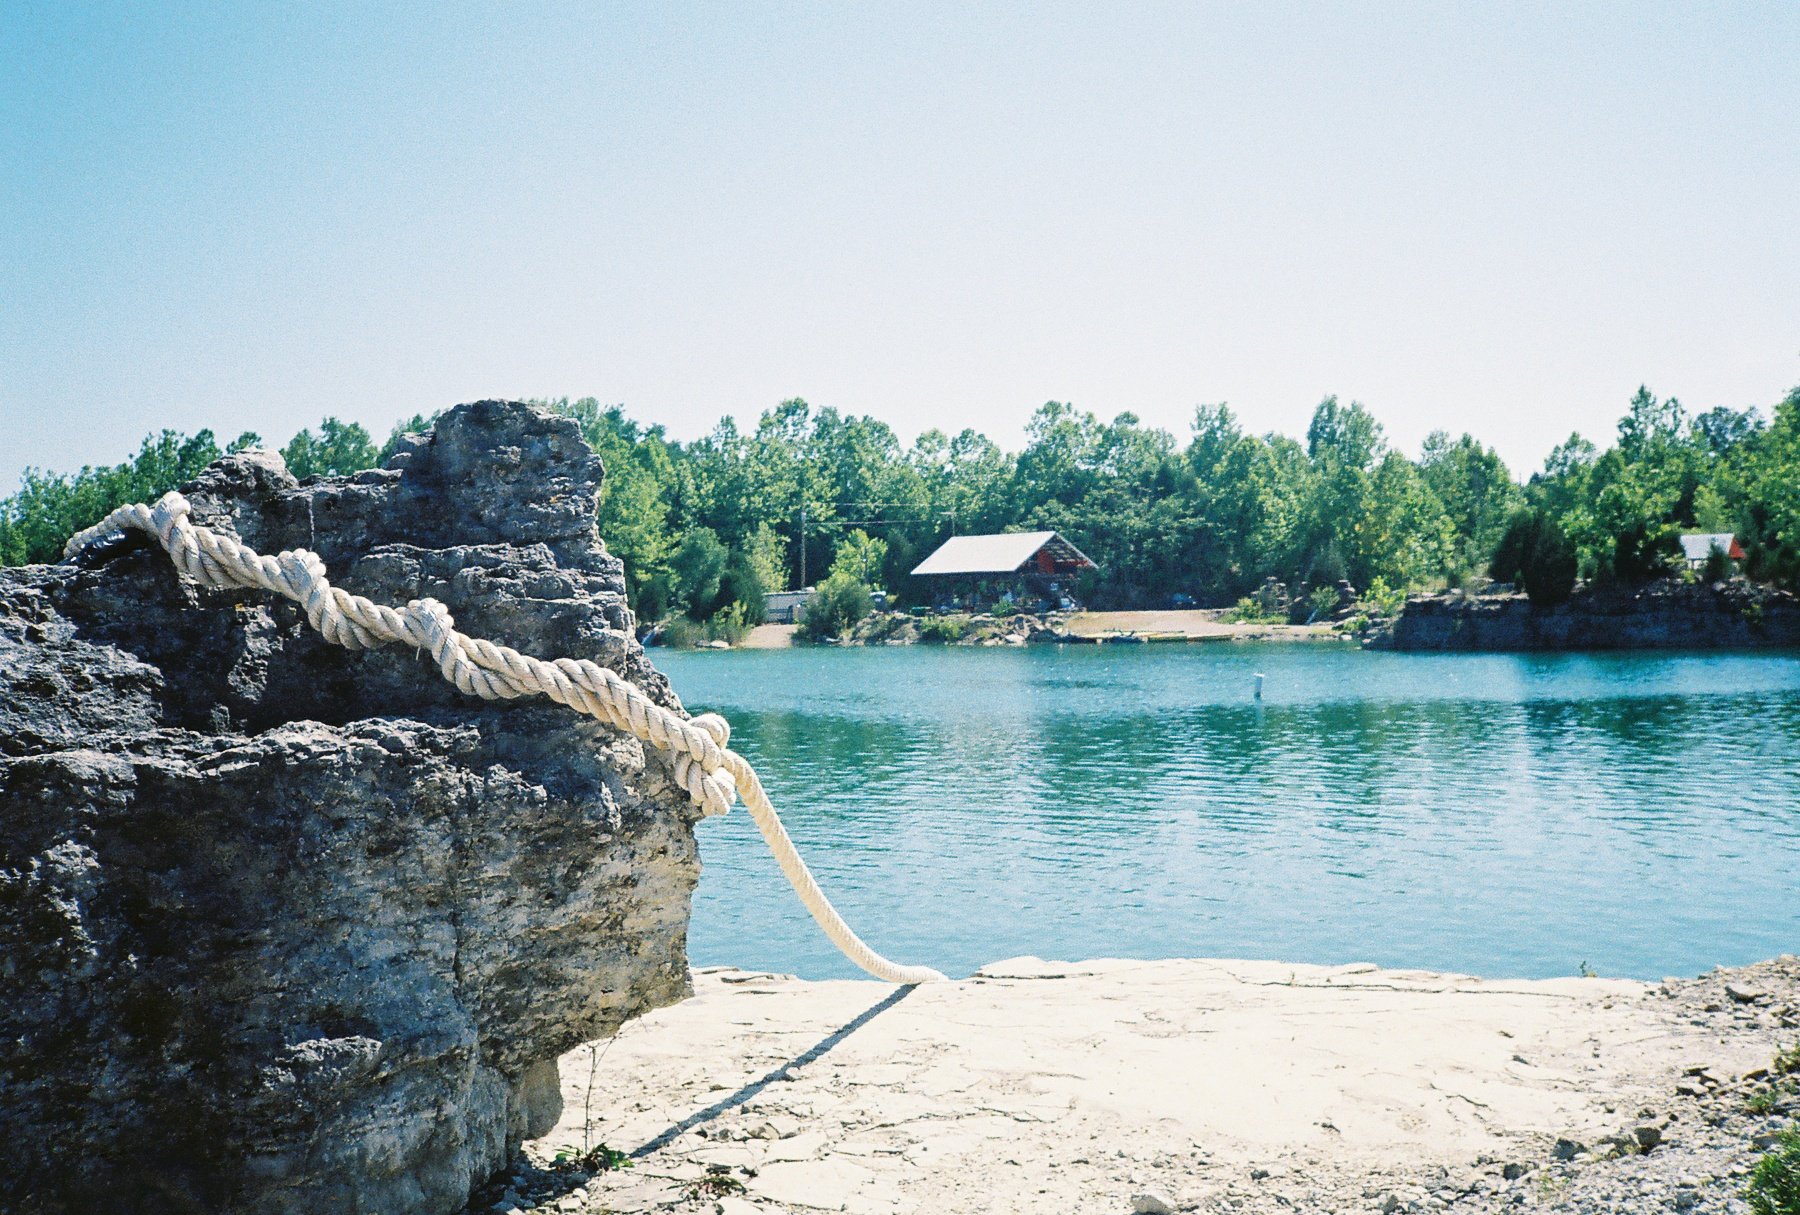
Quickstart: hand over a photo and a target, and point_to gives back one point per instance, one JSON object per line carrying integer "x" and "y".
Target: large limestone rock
{"x": 287, "y": 928}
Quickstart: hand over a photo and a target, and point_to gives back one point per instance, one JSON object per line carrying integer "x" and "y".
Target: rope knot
{"x": 170, "y": 510}
{"x": 715, "y": 727}
{"x": 300, "y": 570}
{"x": 426, "y": 620}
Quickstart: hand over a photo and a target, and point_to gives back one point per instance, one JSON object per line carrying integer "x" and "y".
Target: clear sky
{"x": 1499, "y": 218}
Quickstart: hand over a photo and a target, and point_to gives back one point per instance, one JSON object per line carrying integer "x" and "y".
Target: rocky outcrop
{"x": 289, "y": 928}
{"x": 1665, "y": 615}
{"x": 957, "y": 628}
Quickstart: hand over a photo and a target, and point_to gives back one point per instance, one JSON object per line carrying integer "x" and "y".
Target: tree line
{"x": 706, "y": 527}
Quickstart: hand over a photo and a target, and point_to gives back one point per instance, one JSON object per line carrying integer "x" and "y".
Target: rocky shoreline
{"x": 1666, "y": 615}
{"x": 1197, "y": 1086}
{"x": 1069, "y": 628}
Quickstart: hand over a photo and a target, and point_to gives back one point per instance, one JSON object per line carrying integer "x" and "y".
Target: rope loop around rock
{"x": 705, "y": 766}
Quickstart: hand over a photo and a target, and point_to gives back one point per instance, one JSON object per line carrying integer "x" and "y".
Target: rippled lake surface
{"x": 1505, "y": 815}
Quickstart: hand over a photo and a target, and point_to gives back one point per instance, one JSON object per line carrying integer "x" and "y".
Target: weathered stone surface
{"x": 287, "y": 928}
{"x": 1664, "y": 615}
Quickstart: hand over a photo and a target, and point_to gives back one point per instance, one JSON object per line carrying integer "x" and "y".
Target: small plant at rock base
{"x": 1775, "y": 1182}
{"x": 1588, "y": 972}
{"x": 598, "y": 1159}
{"x": 1768, "y": 1100}
{"x": 1787, "y": 1062}
{"x": 718, "y": 1183}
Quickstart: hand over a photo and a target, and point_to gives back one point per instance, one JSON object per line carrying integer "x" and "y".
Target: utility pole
{"x": 802, "y": 585}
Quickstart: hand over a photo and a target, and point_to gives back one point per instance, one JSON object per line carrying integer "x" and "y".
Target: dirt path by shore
{"x": 1115, "y": 1086}
{"x": 1192, "y": 625}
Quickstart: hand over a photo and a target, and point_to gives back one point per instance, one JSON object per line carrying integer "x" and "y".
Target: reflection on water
{"x": 1497, "y": 814}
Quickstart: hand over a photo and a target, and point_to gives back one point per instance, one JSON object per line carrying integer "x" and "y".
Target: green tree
{"x": 1630, "y": 530}
{"x": 1347, "y": 434}
{"x": 1722, "y": 431}
{"x": 742, "y": 592}
{"x": 1211, "y": 515}
{"x": 860, "y": 556}
{"x": 1404, "y": 536}
{"x": 1343, "y": 444}
{"x": 764, "y": 552}
{"x": 1770, "y": 474}
{"x": 1650, "y": 425}
{"x": 1477, "y": 492}
{"x": 697, "y": 567}
{"x": 338, "y": 448}
{"x": 1534, "y": 553}
{"x": 633, "y": 514}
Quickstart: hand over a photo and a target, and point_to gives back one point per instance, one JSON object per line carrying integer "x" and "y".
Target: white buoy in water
{"x": 1259, "y": 680}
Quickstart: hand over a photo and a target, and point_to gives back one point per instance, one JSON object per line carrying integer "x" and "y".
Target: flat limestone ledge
{"x": 1072, "y": 1087}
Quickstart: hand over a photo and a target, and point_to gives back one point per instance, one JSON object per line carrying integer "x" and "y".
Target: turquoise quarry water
{"x": 1505, "y": 815}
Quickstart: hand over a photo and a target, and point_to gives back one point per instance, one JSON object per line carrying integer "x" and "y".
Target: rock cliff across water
{"x": 290, "y": 928}
{"x": 1666, "y": 615}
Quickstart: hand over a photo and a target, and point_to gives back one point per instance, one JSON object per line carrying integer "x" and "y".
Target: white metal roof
{"x": 998, "y": 554}
{"x": 1697, "y": 546}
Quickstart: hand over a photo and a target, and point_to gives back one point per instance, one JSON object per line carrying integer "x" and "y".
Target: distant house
{"x": 1020, "y": 564}
{"x": 1696, "y": 547}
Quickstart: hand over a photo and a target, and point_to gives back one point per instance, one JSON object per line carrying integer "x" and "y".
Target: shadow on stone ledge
{"x": 287, "y": 928}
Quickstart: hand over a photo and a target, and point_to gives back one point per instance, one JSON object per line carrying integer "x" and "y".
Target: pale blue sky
{"x": 1496, "y": 218}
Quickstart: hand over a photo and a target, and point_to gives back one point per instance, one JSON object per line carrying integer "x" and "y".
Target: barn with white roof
{"x": 1022, "y": 563}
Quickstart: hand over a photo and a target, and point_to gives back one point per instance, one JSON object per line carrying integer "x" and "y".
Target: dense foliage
{"x": 1534, "y": 553}
{"x": 1775, "y": 1182}
{"x": 711, "y": 525}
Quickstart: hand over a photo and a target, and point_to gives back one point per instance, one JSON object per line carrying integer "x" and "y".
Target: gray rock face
{"x": 288, "y": 928}
{"x": 1664, "y": 615}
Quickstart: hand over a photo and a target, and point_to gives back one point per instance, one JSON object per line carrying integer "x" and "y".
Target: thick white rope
{"x": 706, "y": 768}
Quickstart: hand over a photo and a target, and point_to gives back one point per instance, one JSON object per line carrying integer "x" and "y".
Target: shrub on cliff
{"x": 1535, "y": 554}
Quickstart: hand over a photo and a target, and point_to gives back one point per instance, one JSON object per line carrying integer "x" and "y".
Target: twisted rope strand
{"x": 705, "y": 767}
